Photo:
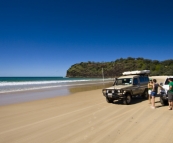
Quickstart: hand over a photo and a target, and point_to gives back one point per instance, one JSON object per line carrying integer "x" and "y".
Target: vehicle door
{"x": 136, "y": 86}
{"x": 143, "y": 83}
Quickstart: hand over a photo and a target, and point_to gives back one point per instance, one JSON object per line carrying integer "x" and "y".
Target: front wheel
{"x": 127, "y": 99}
{"x": 109, "y": 100}
{"x": 163, "y": 102}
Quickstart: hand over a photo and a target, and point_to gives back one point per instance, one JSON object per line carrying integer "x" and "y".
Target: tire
{"x": 127, "y": 99}
{"x": 163, "y": 102}
{"x": 109, "y": 100}
{"x": 145, "y": 94}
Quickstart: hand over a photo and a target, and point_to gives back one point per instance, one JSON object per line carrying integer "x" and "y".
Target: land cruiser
{"x": 163, "y": 93}
{"x": 130, "y": 84}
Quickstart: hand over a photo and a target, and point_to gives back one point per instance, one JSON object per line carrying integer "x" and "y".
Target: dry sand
{"x": 85, "y": 117}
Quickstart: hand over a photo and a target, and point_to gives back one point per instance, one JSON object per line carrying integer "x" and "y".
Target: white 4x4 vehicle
{"x": 164, "y": 93}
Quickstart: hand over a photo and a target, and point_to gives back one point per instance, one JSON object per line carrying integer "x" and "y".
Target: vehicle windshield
{"x": 167, "y": 82}
{"x": 123, "y": 81}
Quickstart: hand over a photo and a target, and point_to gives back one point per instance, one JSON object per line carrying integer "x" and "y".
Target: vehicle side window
{"x": 146, "y": 79}
{"x": 166, "y": 82}
{"x": 141, "y": 79}
{"x": 135, "y": 81}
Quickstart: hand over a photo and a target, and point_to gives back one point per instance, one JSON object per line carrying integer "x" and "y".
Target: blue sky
{"x": 46, "y": 37}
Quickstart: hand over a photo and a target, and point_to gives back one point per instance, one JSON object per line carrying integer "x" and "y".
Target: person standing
{"x": 170, "y": 94}
{"x": 154, "y": 92}
{"x": 150, "y": 86}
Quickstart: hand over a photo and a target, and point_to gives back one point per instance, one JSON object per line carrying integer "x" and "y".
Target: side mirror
{"x": 161, "y": 84}
{"x": 114, "y": 82}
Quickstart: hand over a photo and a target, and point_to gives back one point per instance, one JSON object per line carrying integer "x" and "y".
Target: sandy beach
{"x": 85, "y": 117}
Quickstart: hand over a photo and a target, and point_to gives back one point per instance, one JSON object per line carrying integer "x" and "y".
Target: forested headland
{"x": 115, "y": 68}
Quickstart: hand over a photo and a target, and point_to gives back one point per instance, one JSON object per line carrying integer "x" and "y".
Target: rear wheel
{"x": 145, "y": 94}
{"x": 127, "y": 99}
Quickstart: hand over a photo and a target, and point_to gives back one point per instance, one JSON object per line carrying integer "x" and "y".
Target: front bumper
{"x": 113, "y": 94}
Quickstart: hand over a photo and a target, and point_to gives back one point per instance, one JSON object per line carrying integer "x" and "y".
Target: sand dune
{"x": 85, "y": 117}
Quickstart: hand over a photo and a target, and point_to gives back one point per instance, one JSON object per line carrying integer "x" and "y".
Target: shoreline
{"x": 17, "y": 87}
{"x": 39, "y": 94}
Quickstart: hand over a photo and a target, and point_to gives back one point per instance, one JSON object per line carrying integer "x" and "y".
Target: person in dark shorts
{"x": 154, "y": 92}
{"x": 170, "y": 94}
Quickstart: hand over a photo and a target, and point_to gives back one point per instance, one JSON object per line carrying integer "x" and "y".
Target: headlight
{"x": 120, "y": 91}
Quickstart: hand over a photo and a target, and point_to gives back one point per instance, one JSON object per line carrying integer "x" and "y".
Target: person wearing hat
{"x": 170, "y": 94}
{"x": 150, "y": 86}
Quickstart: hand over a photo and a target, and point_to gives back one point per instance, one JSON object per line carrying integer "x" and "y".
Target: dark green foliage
{"x": 115, "y": 68}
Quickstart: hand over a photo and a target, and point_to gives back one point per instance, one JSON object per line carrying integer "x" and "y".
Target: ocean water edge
{"x": 14, "y": 84}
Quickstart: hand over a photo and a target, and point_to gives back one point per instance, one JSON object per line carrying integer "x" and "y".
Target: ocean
{"x": 23, "y": 89}
{"x": 13, "y": 84}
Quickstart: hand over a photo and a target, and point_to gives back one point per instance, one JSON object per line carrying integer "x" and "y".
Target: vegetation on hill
{"x": 115, "y": 68}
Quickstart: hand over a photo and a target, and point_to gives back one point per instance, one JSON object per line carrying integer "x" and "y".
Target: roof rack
{"x": 142, "y": 72}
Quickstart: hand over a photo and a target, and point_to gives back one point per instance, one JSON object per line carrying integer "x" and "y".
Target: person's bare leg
{"x": 153, "y": 102}
{"x": 170, "y": 105}
{"x": 149, "y": 98}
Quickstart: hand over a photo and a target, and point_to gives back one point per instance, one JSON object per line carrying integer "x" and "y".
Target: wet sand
{"x": 85, "y": 117}
{"x": 39, "y": 94}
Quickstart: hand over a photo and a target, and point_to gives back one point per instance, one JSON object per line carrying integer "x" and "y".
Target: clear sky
{"x": 46, "y": 37}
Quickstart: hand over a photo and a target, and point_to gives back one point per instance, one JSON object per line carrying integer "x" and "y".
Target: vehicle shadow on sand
{"x": 135, "y": 100}
{"x": 138, "y": 99}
